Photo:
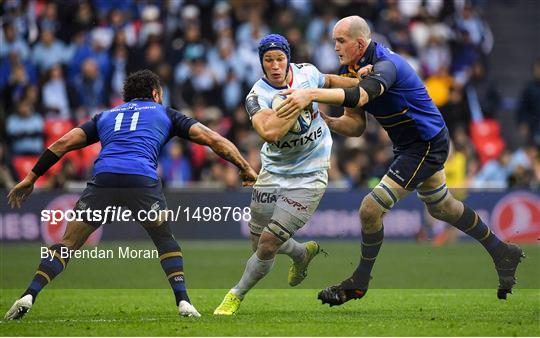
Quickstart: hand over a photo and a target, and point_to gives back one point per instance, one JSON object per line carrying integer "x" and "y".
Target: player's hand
{"x": 20, "y": 193}
{"x": 296, "y": 101}
{"x": 249, "y": 177}
{"x": 364, "y": 71}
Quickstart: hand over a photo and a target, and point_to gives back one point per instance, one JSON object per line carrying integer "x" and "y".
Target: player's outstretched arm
{"x": 74, "y": 139}
{"x": 372, "y": 86}
{"x": 201, "y": 134}
{"x": 352, "y": 123}
{"x": 336, "y": 81}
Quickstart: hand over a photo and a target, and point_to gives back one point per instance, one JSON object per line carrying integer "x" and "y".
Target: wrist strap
{"x": 45, "y": 161}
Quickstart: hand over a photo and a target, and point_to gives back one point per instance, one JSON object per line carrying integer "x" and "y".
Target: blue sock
{"x": 471, "y": 224}
{"x": 371, "y": 244}
{"x": 171, "y": 259}
{"x": 49, "y": 267}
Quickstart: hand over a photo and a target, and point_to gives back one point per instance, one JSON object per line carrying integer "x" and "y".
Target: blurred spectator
{"x": 477, "y": 29}
{"x": 151, "y": 24}
{"x": 196, "y": 80}
{"x": 391, "y": 24}
{"x": 495, "y": 173}
{"x": 58, "y": 98}
{"x": 435, "y": 56}
{"x": 17, "y": 81}
{"x": 252, "y": 31}
{"x": 223, "y": 62}
{"x": 10, "y": 42}
{"x": 118, "y": 24}
{"x": 165, "y": 74}
{"x": 529, "y": 110}
{"x": 119, "y": 61}
{"x": 84, "y": 19}
{"x": 324, "y": 58}
{"x": 49, "y": 17}
{"x": 49, "y": 51}
{"x": 25, "y": 130}
{"x": 90, "y": 88}
{"x": 438, "y": 86}
{"x": 175, "y": 168}
{"x": 221, "y": 17}
{"x": 455, "y": 111}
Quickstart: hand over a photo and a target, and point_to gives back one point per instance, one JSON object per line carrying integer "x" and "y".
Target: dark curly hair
{"x": 139, "y": 85}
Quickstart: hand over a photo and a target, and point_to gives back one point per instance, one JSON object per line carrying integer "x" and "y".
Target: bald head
{"x": 355, "y": 26}
{"x": 352, "y": 37}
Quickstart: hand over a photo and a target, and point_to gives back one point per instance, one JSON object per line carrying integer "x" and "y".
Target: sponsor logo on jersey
{"x": 303, "y": 140}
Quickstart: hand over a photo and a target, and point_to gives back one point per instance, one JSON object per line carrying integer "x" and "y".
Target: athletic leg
{"x": 51, "y": 266}
{"x": 379, "y": 201}
{"x": 443, "y": 206}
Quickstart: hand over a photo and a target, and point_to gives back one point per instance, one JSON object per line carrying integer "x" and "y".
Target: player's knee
{"x": 445, "y": 211}
{"x": 370, "y": 214}
{"x": 270, "y": 241}
{"x": 267, "y": 248}
{"x": 254, "y": 239}
{"x": 439, "y": 202}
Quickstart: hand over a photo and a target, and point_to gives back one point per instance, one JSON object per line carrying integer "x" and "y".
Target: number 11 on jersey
{"x": 118, "y": 121}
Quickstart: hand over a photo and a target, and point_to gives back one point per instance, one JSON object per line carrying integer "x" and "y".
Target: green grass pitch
{"x": 417, "y": 290}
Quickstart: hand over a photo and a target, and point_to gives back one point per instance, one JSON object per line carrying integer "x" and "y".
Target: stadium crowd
{"x": 64, "y": 60}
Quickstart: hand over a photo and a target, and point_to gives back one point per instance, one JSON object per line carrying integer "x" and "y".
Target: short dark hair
{"x": 139, "y": 85}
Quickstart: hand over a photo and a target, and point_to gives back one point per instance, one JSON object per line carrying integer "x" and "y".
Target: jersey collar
{"x": 368, "y": 57}
{"x": 283, "y": 87}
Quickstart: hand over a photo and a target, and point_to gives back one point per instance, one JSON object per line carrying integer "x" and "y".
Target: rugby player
{"x": 294, "y": 174}
{"x": 124, "y": 174}
{"x": 394, "y": 94}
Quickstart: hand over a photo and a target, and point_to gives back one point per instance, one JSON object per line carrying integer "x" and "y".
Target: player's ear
{"x": 361, "y": 43}
{"x": 156, "y": 95}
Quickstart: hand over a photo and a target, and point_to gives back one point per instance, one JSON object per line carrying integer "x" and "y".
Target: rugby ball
{"x": 303, "y": 122}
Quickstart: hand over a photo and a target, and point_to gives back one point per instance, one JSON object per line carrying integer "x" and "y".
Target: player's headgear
{"x": 273, "y": 42}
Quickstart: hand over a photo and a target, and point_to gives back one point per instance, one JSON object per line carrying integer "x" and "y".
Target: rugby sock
{"x": 171, "y": 259}
{"x": 295, "y": 250}
{"x": 371, "y": 244}
{"x": 256, "y": 269}
{"x": 471, "y": 224}
{"x": 48, "y": 269}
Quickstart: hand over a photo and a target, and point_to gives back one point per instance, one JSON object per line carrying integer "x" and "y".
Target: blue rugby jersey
{"x": 405, "y": 110}
{"x": 132, "y": 136}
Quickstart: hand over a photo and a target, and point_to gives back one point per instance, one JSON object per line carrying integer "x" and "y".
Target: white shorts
{"x": 286, "y": 202}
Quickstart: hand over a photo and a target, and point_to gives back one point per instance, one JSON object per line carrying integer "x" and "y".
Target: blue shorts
{"x": 418, "y": 161}
{"x": 134, "y": 192}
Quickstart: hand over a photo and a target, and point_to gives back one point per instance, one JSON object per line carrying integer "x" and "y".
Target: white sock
{"x": 295, "y": 250}
{"x": 255, "y": 270}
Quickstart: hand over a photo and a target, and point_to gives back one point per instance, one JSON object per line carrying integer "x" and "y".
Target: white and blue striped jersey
{"x": 294, "y": 153}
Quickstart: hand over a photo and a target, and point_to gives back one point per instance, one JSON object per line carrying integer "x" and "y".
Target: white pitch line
{"x": 98, "y": 320}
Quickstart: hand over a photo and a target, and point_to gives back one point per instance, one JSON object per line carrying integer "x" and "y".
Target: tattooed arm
{"x": 201, "y": 134}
